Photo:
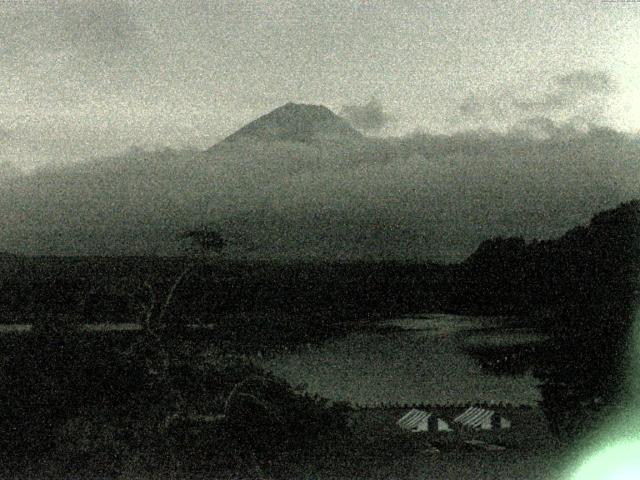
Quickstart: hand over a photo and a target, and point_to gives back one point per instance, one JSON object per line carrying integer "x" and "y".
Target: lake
{"x": 419, "y": 359}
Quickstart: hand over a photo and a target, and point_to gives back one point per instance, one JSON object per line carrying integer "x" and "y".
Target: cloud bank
{"x": 424, "y": 197}
{"x": 579, "y": 94}
{"x": 420, "y": 196}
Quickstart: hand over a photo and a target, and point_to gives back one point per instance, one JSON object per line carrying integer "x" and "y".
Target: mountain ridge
{"x": 296, "y": 122}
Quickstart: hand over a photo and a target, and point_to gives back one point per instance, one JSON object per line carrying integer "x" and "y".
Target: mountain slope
{"x": 297, "y": 123}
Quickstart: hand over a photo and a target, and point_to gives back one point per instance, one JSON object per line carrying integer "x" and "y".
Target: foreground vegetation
{"x": 89, "y": 407}
{"x": 100, "y": 402}
{"x": 185, "y": 403}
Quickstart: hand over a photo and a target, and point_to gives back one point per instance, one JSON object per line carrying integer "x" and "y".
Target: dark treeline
{"x": 582, "y": 289}
{"x": 594, "y": 265}
{"x": 503, "y": 276}
{"x": 85, "y": 290}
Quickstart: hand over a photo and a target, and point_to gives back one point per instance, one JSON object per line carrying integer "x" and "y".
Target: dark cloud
{"x": 549, "y": 101}
{"x": 569, "y": 91}
{"x": 43, "y": 32}
{"x": 580, "y": 93}
{"x": 487, "y": 107}
{"x": 541, "y": 127}
{"x": 472, "y": 106}
{"x": 536, "y": 127}
{"x": 368, "y": 117}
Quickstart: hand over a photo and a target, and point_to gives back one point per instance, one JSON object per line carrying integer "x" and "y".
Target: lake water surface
{"x": 422, "y": 359}
{"x": 407, "y": 360}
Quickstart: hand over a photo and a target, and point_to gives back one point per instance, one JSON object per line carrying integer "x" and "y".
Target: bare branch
{"x": 236, "y": 389}
{"x": 169, "y": 297}
{"x": 151, "y": 304}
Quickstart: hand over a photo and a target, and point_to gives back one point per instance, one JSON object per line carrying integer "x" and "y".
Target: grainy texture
{"x": 241, "y": 239}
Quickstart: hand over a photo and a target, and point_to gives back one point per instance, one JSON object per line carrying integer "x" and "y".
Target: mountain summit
{"x": 295, "y": 122}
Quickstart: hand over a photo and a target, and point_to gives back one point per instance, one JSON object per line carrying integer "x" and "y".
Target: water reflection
{"x": 425, "y": 361}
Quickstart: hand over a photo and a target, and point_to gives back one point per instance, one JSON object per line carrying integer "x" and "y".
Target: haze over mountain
{"x": 301, "y": 183}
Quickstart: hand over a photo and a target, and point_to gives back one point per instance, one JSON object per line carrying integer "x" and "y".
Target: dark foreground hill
{"x": 593, "y": 264}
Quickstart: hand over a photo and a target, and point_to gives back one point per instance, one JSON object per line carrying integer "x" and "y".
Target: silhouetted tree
{"x": 205, "y": 239}
{"x": 161, "y": 346}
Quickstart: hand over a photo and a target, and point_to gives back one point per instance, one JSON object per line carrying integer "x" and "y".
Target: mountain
{"x": 300, "y": 183}
{"x": 295, "y": 122}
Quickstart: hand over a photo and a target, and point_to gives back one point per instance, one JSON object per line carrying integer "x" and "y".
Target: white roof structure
{"x": 476, "y": 417}
{"x": 421, "y": 421}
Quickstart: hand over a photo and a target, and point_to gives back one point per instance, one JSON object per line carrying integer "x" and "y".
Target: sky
{"x": 79, "y": 79}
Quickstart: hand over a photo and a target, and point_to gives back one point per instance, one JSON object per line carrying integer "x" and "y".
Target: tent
{"x": 420, "y": 421}
{"x": 476, "y": 417}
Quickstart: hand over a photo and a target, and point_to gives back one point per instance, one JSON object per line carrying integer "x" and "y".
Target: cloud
{"x": 571, "y": 91}
{"x": 541, "y": 127}
{"x": 69, "y": 39}
{"x": 489, "y": 109}
{"x": 368, "y": 117}
{"x": 91, "y": 26}
{"x": 422, "y": 196}
{"x": 585, "y": 81}
{"x": 8, "y": 165}
{"x": 472, "y": 106}
{"x": 550, "y": 101}
{"x": 580, "y": 93}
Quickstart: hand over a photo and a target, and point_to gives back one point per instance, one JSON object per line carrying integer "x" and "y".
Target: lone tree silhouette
{"x": 205, "y": 239}
{"x": 160, "y": 332}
